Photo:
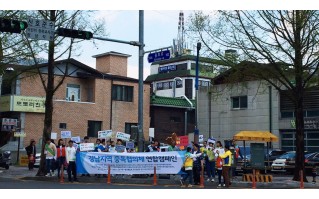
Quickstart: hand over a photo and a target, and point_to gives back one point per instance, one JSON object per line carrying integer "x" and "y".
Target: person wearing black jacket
{"x": 197, "y": 164}
{"x": 31, "y": 152}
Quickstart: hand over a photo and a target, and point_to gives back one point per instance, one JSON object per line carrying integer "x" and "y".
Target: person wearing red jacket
{"x": 61, "y": 155}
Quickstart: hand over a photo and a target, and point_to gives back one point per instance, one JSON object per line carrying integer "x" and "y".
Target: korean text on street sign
{"x": 40, "y": 29}
{"x": 66, "y": 134}
{"x": 158, "y": 56}
{"x": 123, "y": 136}
{"x": 87, "y": 147}
{"x": 104, "y": 134}
{"x": 20, "y": 134}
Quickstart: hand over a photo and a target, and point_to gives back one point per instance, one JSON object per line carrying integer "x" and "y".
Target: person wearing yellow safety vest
{"x": 210, "y": 162}
{"x": 227, "y": 159}
{"x": 188, "y": 165}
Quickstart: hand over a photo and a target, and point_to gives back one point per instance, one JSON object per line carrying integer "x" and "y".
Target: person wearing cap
{"x": 70, "y": 159}
{"x": 227, "y": 158}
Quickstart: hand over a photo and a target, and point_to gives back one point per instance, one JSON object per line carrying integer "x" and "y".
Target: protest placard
{"x": 123, "y": 136}
{"x": 54, "y": 136}
{"x": 104, "y": 134}
{"x": 87, "y": 147}
{"x": 76, "y": 139}
{"x": 66, "y": 134}
{"x": 130, "y": 145}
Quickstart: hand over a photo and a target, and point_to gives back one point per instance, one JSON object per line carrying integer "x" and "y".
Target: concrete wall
{"x": 226, "y": 121}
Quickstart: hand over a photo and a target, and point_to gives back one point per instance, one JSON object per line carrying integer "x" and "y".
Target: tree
{"x": 280, "y": 47}
{"x": 58, "y": 48}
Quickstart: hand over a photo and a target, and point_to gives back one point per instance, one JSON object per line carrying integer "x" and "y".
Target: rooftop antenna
{"x": 180, "y": 36}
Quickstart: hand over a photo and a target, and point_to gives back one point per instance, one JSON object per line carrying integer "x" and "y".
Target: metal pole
{"x": 196, "y": 132}
{"x": 185, "y": 128}
{"x": 18, "y": 152}
{"x": 140, "y": 81}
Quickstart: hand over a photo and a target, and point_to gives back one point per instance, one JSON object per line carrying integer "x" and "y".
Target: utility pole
{"x": 196, "y": 131}
{"x": 140, "y": 81}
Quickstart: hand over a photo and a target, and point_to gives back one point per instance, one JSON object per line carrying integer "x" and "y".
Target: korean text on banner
{"x": 104, "y": 134}
{"x": 123, "y": 136}
{"x": 66, "y": 134}
{"x": 87, "y": 147}
{"x": 130, "y": 163}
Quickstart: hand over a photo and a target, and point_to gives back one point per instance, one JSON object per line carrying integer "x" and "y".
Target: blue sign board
{"x": 158, "y": 56}
{"x": 165, "y": 69}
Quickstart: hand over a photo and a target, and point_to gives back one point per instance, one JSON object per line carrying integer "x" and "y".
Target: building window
{"x": 239, "y": 102}
{"x": 93, "y": 128}
{"x": 131, "y": 128}
{"x": 73, "y": 92}
{"x": 62, "y": 125}
{"x": 122, "y": 93}
{"x": 288, "y": 140}
{"x": 189, "y": 88}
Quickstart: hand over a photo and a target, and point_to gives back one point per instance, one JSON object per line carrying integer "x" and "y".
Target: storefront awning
{"x": 262, "y": 136}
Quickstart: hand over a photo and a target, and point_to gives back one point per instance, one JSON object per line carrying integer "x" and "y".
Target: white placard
{"x": 201, "y": 138}
{"x": 76, "y": 139}
{"x": 75, "y": 145}
{"x": 151, "y": 132}
{"x": 66, "y": 134}
{"x": 87, "y": 147}
{"x": 123, "y": 136}
{"x": 20, "y": 134}
{"x": 104, "y": 134}
{"x": 40, "y": 29}
{"x": 54, "y": 136}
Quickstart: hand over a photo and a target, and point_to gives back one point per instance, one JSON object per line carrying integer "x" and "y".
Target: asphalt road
{"x": 6, "y": 183}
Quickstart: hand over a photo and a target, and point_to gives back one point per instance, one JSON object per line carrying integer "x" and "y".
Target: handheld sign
{"x": 87, "y": 147}
{"x": 54, "y": 136}
{"x": 20, "y": 134}
{"x": 130, "y": 145}
{"x": 105, "y": 134}
{"x": 123, "y": 136}
{"x": 65, "y": 134}
{"x": 76, "y": 139}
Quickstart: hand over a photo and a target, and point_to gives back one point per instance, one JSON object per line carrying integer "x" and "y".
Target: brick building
{"x": 89, "y": 100}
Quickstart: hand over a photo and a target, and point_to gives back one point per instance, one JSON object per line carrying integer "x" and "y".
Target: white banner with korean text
{"x": 130, "y": 163}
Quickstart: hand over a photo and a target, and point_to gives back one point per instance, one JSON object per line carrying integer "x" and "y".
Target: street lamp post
{"x": 140, "y": 82}
{"x": 196, "y": 131}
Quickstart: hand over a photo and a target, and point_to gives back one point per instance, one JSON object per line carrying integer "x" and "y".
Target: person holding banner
{"x": 70, "y": 159}
{"x": 188, "y": 165}
{"x": 61, "y": 156}
{"x": 50, "y": 157}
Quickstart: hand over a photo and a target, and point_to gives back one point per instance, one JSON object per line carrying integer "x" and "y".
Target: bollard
{"x": 109, "y": 175}
{"x": 201, "y": 184}
{"x": 154, "y": 179}
{"x": 301, "y": 179}
{"x": 254, "y": 179}
{"x": 62, "y": 175}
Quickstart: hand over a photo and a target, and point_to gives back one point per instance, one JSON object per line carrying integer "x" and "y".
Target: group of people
{"x": 213, "y": 157}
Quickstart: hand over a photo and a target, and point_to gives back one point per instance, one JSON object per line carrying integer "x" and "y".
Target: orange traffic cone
{"x": 154, "y": 179}
{"x": 109, "y": 175}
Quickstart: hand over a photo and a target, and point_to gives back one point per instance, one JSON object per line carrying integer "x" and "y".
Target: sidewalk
{"x": 279, "y": 182}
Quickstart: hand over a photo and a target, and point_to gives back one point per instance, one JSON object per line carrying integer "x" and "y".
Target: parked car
{"x": 312, "y": 159}
{"x": 37, "y": 160}
{"x": 286, "y": 162}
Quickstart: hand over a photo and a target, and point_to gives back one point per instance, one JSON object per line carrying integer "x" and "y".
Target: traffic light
{"x": 12, "y": 26}
{"x": 80, "y": 34}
